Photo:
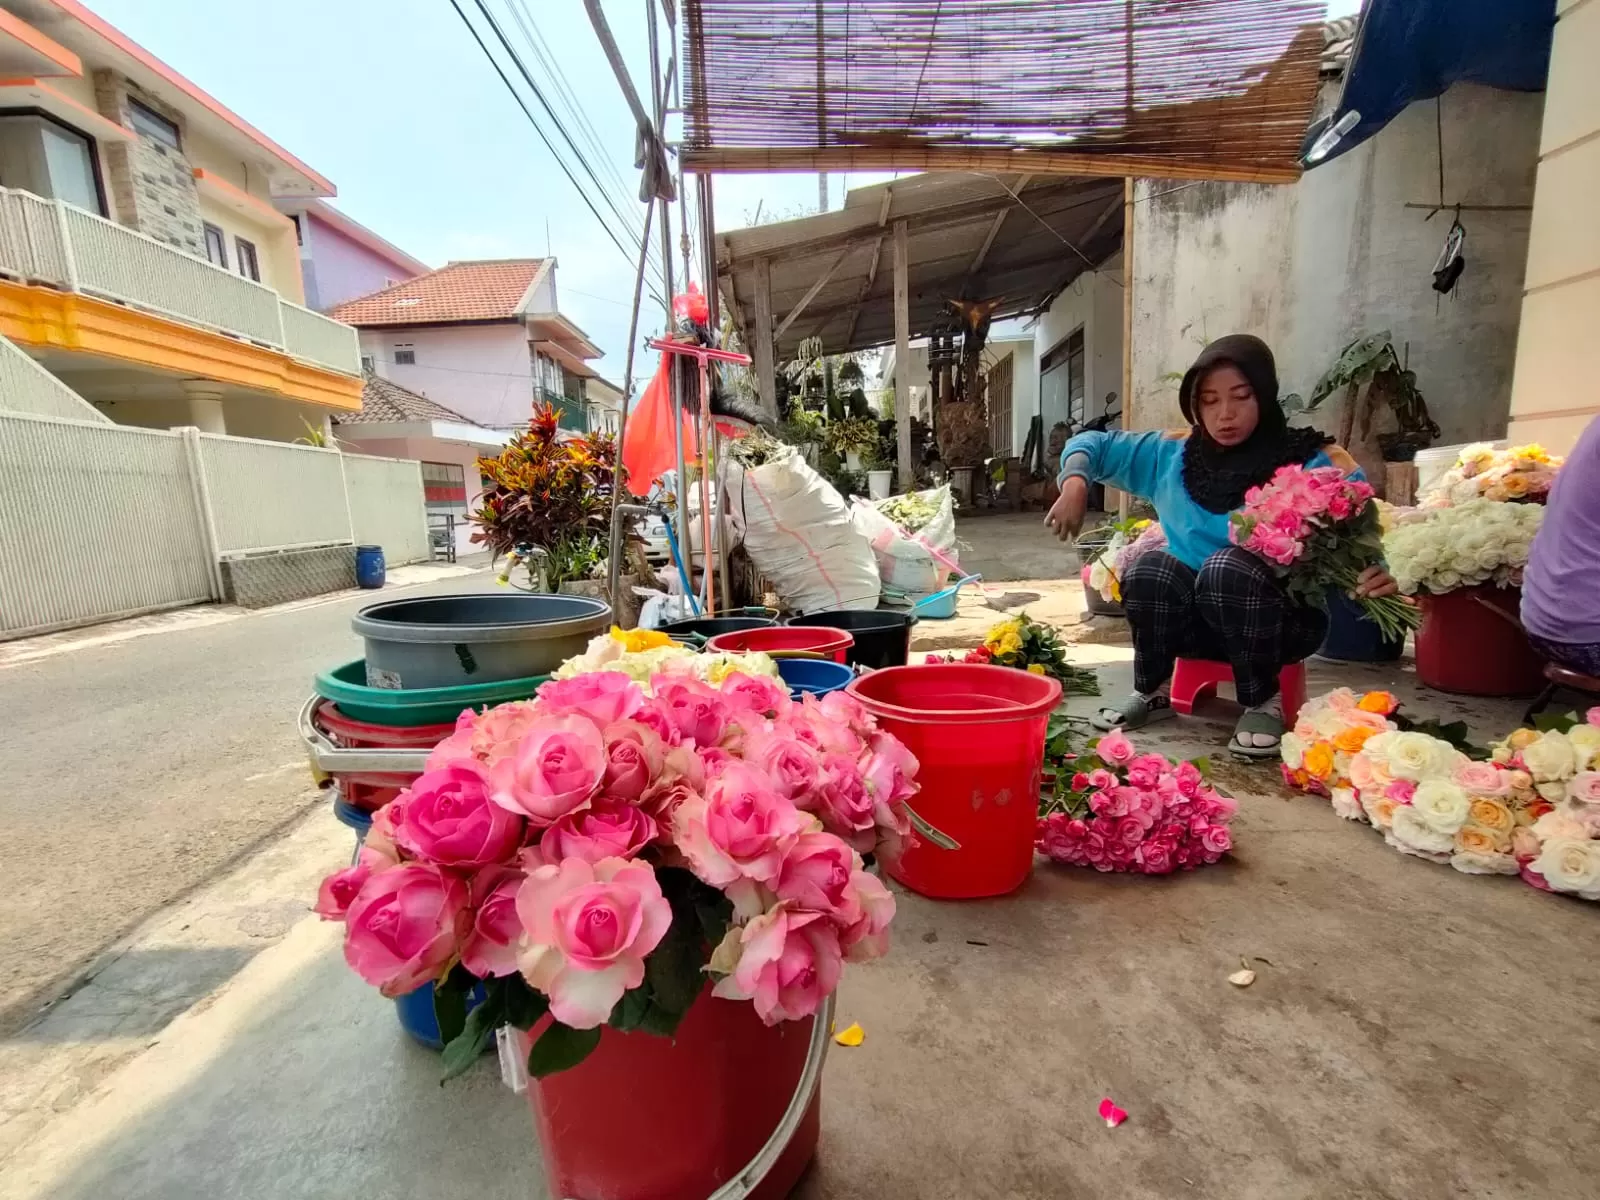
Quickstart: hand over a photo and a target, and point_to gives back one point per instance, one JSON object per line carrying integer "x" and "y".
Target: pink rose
{"x": 606, "y": 829}
{"x": 447, "y": 818}
{"x": 868, "y": 937}
{"x": 653, "y": 717}
{"x": 635, "y": 756}
{"x": 1155, "y": 856}
{"x": 589, "y": 927}
{"x": 1533, "y": 879}
{"x": 1095, "y": 850}
{"x": 843, "y": 802}
{"x": 714, "y": 760}
{"x": 1061, "y": 837}
{"x": 815, "y": 876}
{"x": 555, "y": 769}
{"x": 1146, "y": 770}
{"x": 1525, "y": 846}
{"x": 1148, "y": 809}
{"x": 788, "y": 963}
{"x": 404, "y": 926}
{"x": 1271, "y": 544}
{"x": 1101, "y": 780}
{"x": 844, "y": 708}
{"x": 1189, "y": 779}
{"x": 756, "y": 694}
{"x": 1126, "y": 832}
{"x": 1080, "y": 781}
{"x": 1481, "y": 779}
{"x": 836, "y": 723}
{"x": 339, "y": 890}
{"x": 1401, "y": 790}
{"x": 1593, "y": 715}
{"x": 1216, "y": 839}
{"x": 889, "y": 771}
{"x": 664, "y": 800}
{"x": 696, "y": 710}
{"x": 794, "y": 767}
{"x": 1584, "y": 787}
{"x": 1115, "y": 748}
{"x": 741, "y": 829}
{"x": 605, "y": 697}
{"x": 1218, "y": 807}
{"x": 490, "y": 948}
{"x": 379, "y": 845}
{"x": 487, "y": 737}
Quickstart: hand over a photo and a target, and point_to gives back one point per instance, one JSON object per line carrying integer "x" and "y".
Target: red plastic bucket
{"x": 654, "y": 1118}
{"x": 371, "y": 790}
{"x": 807, "y": 639}
{"x": 1464, "y": 647}
{"x": 978, "y": 732}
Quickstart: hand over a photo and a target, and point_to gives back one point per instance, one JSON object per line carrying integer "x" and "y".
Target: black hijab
{"x": 1216, "y": 476}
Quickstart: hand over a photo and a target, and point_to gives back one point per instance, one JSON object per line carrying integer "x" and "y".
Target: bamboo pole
{"x": 902, "y": 355}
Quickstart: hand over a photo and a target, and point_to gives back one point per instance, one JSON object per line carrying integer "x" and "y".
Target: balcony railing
{"x": 570, "y": 413}
{"x": 52, "y": 242}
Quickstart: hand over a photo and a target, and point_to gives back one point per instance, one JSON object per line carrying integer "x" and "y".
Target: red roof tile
{"x": 462, "y": 291}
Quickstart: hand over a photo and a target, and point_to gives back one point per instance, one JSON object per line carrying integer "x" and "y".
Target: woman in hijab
{"x": 1204, "y": 597}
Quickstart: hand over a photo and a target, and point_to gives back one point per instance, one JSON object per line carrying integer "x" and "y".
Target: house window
{"x": 444, "y": 489}
{"x": 405, "y": 355}
{"x": 1061, "y": 383}
{"x": 40, "y": 155}
{"x": 1000, "y": 407}
{"x": 148, "y": 122}
{"x": 249, "y": 267}
{"x": 216, "y": 246}
{"x": 299, "y": 233}
{"x": 367, "y": 363}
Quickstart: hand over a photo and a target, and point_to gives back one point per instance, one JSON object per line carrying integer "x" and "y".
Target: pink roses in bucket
{"x": 1115, "y": 809}
{"x": 555, "y": 849}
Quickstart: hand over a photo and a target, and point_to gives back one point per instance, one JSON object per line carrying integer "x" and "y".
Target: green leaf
{"x": 523, "y": 1005}
{"x": 715, "y": 915}
{"x": 630, "y": 1011}
{"x": 1203, "y": 765}
{"x": 1547, "y": 722}
{"x": 660, "y": 1021}
{"x": 450, "y": 1007}
{"x": 461, "y": 1051}
{"x": 560, "y": 1047}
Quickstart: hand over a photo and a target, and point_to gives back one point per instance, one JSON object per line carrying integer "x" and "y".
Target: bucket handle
{"x": 326, "y": 758}
{"x": 937, "y": 836}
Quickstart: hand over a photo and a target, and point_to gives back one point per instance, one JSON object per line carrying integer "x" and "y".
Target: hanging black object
{"x": 1452, "y": 260}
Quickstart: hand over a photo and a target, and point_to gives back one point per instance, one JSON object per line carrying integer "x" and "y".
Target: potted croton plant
{"x": 660, "y": 843}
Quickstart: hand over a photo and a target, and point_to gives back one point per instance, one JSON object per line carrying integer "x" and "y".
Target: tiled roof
{"x": 1338, "y": 39}
{"x": 461, "y": 291}
{"x": 384, "y": 401}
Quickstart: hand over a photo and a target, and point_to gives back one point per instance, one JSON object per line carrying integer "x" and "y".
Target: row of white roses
{"x": 1481, "y": 541}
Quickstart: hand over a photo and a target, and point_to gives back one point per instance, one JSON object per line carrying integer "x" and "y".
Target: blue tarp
{"x": 1410, "y": 50}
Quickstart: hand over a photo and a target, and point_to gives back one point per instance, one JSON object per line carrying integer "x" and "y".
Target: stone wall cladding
{"x": 152, "y": 185}
{"x": 259, "y": 580}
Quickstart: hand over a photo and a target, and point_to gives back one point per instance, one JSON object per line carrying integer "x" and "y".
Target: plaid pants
{"x": 1232, "y": 609}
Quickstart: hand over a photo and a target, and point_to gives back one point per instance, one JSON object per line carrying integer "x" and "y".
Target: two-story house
{"x": 485, "y": 339}
{"x": 142, "y": 260}
{"x": 341, "y": 259}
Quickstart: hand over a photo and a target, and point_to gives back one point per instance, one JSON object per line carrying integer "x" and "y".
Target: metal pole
{"x": 617, "y": 480}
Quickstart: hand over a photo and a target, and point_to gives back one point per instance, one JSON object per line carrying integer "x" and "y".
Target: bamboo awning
{"x": 1012, "y": 240}
{"x": 1178, "y": 89}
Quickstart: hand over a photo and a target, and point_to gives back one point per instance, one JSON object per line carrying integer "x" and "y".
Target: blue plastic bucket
{"x": 369, "y": 566}
{"x": 1353, "y": 638}
{"x": 813, "y": 675}
{"x": 415, "y": 1010}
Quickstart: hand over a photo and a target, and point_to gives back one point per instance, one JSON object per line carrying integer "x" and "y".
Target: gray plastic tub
{"x": 447, "y": 641}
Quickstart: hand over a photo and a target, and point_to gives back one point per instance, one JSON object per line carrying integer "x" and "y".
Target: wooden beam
{"x": 811, "y": 293}
{"x": 1127, "y": 318}
{"x": 994, "y": 230}
{"x": 872, "y": 271}
{"x": 1110, "y": 210}
{"x": 902, "y": 354}
{"x": 762, "y": 350}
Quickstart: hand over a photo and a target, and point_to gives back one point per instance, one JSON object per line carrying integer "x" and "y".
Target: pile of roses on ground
{"x": 595, "y": 852}
{"x": 1478, "y": 541}
{"x": 1532, "y": 808}
{"x": 1115, "y": 809}
{"x": 1522, "y": 473}
{"x": 1032, "y": 646}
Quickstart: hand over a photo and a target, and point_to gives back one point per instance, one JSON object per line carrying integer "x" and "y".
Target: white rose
{"x": 1411, "y": 832}
{"x": 1441, "y": 805}
{"x": 1585, "y": 743}
{"x": 1472, "y": 863}
{"x": 1552, "y": 790}
{"x": 1444, "y": 581}
{"x": 1293, "y": 750}
{"x": 1549, "y": 756}
{"x": 1346, "y": 804}
{"x": 1571, "y": 865}
{"x": 1377, "y": 748}
{"x": 1417, "y": 756}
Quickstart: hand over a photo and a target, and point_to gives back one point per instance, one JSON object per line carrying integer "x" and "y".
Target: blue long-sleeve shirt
{"x": 1150, "y": 465}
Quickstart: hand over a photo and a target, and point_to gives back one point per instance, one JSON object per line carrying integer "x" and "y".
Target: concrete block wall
{"x": 152, "y": 185}
{"x": 260, "y": 580}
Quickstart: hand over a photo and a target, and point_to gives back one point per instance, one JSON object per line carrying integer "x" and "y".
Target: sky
{"x": 394, "y": 102}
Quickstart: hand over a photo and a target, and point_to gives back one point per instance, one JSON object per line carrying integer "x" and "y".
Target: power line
{"x": 543, "y": 137}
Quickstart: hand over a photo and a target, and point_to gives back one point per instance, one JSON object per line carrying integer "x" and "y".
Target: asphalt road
{"x": 131, "y": 772}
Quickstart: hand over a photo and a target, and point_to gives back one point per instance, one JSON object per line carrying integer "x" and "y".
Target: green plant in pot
{"x": 852, "y": 438}
{"x": 1378, "y": 389}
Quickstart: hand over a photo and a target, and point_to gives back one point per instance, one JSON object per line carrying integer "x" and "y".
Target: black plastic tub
{"x": 699, "y": 630}
{"x": 883, "y": 635}
{"x": 1353, "y": 638}
{"x": 447, "y": 641}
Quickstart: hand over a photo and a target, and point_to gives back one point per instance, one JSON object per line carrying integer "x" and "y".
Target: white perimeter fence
{"x": 99, "y": 521}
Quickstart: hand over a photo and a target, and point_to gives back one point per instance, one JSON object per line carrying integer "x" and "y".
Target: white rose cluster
{"x": 1480, "y": 541}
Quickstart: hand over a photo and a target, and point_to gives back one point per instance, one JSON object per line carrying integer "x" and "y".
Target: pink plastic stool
{"x": 1194, "y": 677}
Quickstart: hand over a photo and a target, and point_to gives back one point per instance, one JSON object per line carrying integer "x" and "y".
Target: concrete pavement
{"x": 136, "y": 767}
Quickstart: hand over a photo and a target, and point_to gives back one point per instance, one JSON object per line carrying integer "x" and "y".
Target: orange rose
{"x": 1351, "y": 740}
{"x": 1536, "y": 809}
{"x": 1319, "y": 760}
{"x": 1378, "y": 702}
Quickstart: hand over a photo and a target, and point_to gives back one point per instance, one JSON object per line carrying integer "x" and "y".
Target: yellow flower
{"x": 1037, "y": 669}
{"x": 635, "y": 640}
{"x": 1533, "y": 451}
{"x": 1378, "y": 702}
{"x": 1351, "y": 740}
{"x": 1515, "y": 485}
{"x": 1522, "y": 738}
{"x": 1319, "y": 760}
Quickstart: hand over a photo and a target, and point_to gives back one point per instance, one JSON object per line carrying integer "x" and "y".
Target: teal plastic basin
{"x": 347, "y": 687}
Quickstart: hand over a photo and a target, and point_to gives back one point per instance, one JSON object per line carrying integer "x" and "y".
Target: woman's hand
{"x": 1065, "y": 517}
{"x": 1375, "y": 583}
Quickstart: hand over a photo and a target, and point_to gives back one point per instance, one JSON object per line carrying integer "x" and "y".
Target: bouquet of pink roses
{"x": 1120, "y": 810}
{"x": 595, "y": 852}
{"x": 1320, "y": 530}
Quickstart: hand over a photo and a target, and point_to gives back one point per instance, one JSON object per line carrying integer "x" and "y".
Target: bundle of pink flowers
{"x": 1140, "y": 813}
{"x": 1320, "y": 529}
{"x": 595, "y": 851}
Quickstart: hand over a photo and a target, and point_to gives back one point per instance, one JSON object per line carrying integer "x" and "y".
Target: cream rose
{"x": 1417, "y": 756}
{"x": 1490, "y": 814}
{"x": 1570, "y": 865}
{"x": 1441, "y": 805}
{"x": 1379, "y": 808}
{"x": 1411, "y": 831}
{"x": 1293, "y": 750}
{"x": 1584, "y": 787}
{"x": 1585, "y": 743}
{"x": 1471, "y": 862}
{"x": 1554, "y": 791}
{"x": 1475, "y": 839}
{"x": 1558, "y": 824}
{"x": 1549, "y": 757}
